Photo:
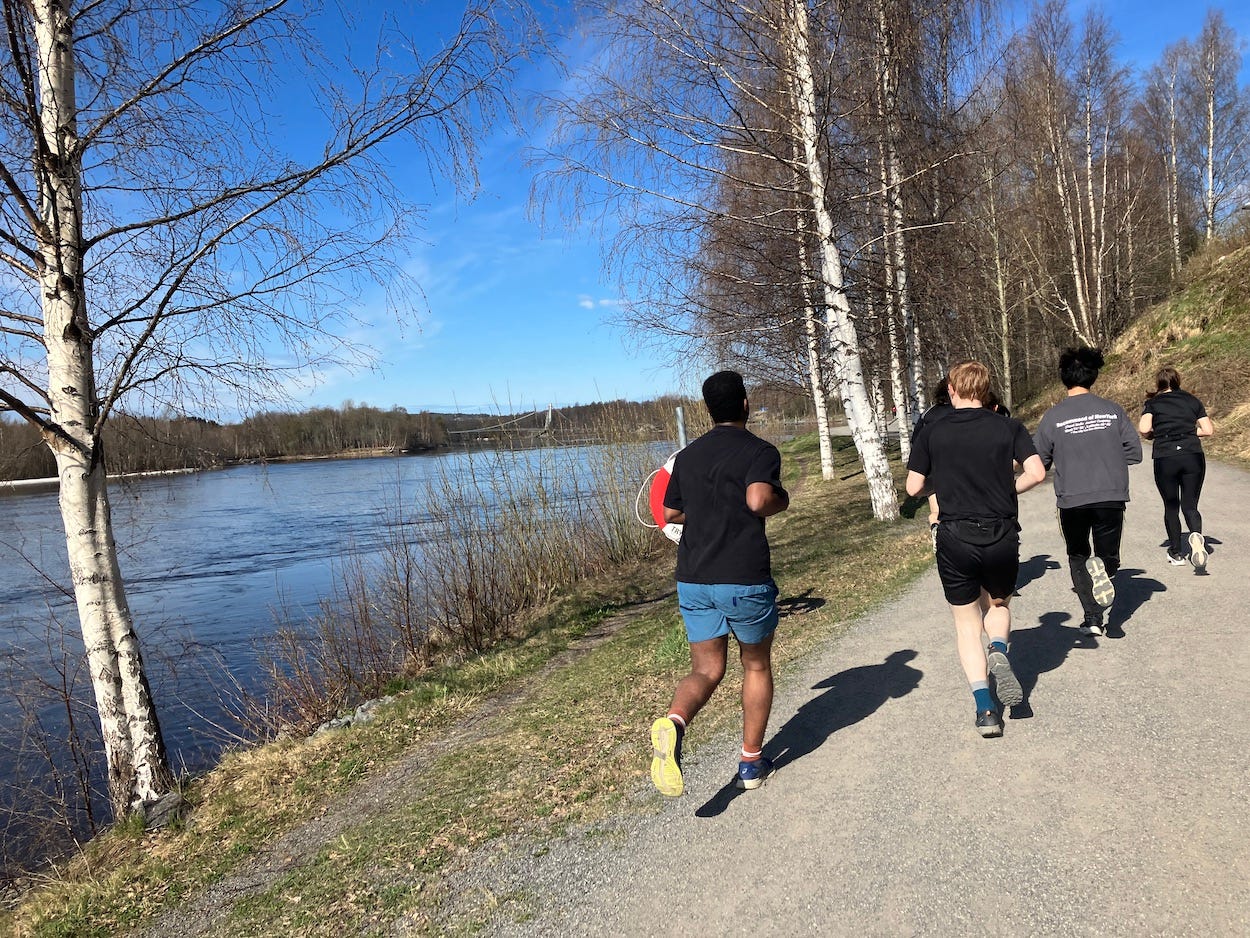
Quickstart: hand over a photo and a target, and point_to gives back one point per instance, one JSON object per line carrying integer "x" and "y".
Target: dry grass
{"x": 1203, "y": 331}
{"x": 506, "y": 777}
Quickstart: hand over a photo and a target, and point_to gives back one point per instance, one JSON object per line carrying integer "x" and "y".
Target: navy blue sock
{"x": 998, "y": 646}
{"x": 981, "y": 694}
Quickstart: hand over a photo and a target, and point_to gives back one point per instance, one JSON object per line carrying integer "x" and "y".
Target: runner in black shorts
{"x": 969, "y": 458}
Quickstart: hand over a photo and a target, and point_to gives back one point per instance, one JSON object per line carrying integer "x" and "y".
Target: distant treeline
{"x": 147, "y": 444}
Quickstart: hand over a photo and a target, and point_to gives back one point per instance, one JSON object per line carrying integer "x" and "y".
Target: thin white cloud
{"x": 585, "y": 302}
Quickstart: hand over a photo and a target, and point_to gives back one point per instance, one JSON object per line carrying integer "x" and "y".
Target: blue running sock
{"x": 981, "y": 694}
{"x": 998, "y": 646}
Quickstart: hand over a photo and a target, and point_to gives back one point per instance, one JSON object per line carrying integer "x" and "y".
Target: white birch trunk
{"x": 1209, "y": 195}
{"x": 1000, "y": 284}
{"x": 847, "y": 363}
{"x": 892, "y": 189}
{"x": 898, "y": 387}
{"x": 138, "y": 768}
{"x": 1174, "y": 177}
{"x": 1080, "y": 315}
{"x": 815, "y": 364}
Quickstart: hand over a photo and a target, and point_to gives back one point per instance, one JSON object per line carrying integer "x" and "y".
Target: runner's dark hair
{"x": 1168, "y": 379}
{"x": 1078, "y": 367}
{"x": 725, "y": 395}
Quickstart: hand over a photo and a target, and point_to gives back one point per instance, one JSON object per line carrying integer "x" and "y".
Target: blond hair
{"x": 971, "y": 381}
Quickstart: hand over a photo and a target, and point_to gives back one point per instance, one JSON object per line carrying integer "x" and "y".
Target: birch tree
{"x": 685, "y": 102}
{"x": 162, "y": 243}
{"x": 1161, "y": 115}
{"x": 1223, "y": 111}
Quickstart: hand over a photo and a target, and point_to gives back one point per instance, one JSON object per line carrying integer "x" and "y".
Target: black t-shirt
{"x": 932, "y": 415}
{"x": 722, "y": 541}
{"x": 967, "y": 457}
{"x": 1175, "y": 416}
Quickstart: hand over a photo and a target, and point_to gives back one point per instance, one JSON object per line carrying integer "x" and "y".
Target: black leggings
{"x": 1179, "y": 480}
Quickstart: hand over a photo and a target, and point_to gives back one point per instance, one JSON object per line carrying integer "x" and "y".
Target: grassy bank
{"x": 353, "y": 830}
{"x": 1203, "y": 330}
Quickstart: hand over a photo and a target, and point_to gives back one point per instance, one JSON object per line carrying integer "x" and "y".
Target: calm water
{"x": 209, "y": 561}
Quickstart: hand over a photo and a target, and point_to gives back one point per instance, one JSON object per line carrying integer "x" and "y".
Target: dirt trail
{"x": 1117, "y": 803}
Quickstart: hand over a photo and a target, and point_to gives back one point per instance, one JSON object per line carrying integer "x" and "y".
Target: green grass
{"x": 1202, "y": 330}
{"x": 505, "y": 776}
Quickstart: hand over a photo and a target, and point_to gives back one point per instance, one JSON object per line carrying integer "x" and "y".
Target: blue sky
{"x": 517, "y": 317}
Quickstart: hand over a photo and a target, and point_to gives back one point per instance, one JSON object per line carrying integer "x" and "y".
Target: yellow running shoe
{"x": 666, "y": 757}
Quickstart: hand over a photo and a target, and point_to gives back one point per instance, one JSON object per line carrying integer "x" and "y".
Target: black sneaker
{"x": 989, "y": 723}
{"x": 1092, "y": 626}
{"x": 1006, "y": 687}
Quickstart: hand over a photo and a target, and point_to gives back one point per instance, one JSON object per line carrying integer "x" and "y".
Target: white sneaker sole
{"x": 1198, "y": 550}
{"x": 1103, "y": 588}
{"x": 1006, "y": 686}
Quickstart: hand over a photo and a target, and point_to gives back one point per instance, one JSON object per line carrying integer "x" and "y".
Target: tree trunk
{"x": 815, "y": 364}
{"x": 892, "y": 192}
{"x": 1208, "y": 80}
{"x": 847, "y": 362}
{"x": 1000, "y": 284}
{"x": 1173, "y": 175}
{"x": 138, "y": 768}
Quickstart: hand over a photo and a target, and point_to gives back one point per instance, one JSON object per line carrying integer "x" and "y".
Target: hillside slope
{"x": 1203, "y": 331}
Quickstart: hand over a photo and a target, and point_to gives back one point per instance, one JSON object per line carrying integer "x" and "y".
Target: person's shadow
{"x": 1132, "y": 591}
{"x": 799, "y": 605}
{"x": 849, "y": 696}
{"x": 1034, "y": 569}
{"x": 1040, "y": 649}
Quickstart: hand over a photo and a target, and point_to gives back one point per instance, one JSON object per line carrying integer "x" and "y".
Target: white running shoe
{"x": 1197, "y": 550}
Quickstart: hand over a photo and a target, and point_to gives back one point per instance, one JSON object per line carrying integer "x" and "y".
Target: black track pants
{"x": 1101, "y": 524}
{"x": 1179, "y": 480}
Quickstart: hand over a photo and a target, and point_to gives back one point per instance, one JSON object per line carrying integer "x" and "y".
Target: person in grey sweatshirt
{"x": 1090, "y": 442}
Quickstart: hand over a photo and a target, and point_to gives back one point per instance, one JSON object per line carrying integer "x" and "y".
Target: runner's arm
{"x": 916, "y": 483}
{"x": 1205, "y": 427}
{"x": 1146, "y": 426}
{"x": 765, "y": 499}
{"x": 674, "y": 516}
{"x": 1034, "y": 473}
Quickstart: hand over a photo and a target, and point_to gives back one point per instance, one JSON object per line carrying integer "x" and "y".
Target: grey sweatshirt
{"x": 1090, "y": 442}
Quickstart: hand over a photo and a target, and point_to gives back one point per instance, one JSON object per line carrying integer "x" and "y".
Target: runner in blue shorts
{"x": 723, "y": 486}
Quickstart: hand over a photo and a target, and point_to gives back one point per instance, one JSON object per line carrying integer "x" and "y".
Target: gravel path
{"x": 1115, "y": 804}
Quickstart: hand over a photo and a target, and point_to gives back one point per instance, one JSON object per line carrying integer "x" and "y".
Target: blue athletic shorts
{"x": 713, "y": 610}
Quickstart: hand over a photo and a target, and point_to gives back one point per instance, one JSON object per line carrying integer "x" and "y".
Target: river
{"x": 211, "y": 562}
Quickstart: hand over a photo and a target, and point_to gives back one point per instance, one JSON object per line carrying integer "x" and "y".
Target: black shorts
{"x": 966, "y": 569}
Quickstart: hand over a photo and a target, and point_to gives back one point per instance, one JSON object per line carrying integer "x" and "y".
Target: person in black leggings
{"x": 1175, "y": 420}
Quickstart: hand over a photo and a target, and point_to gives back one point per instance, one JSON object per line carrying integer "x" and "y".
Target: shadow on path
{"x": 1034, "y": 569}
{"x": 1040, "y": 649}
{"x": 849, "y": 696}
{"x": 1132, "y": 591}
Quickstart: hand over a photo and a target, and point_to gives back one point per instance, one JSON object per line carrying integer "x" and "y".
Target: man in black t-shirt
{"x": 723, "y": 486}
{"x": 968, "y": 459}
